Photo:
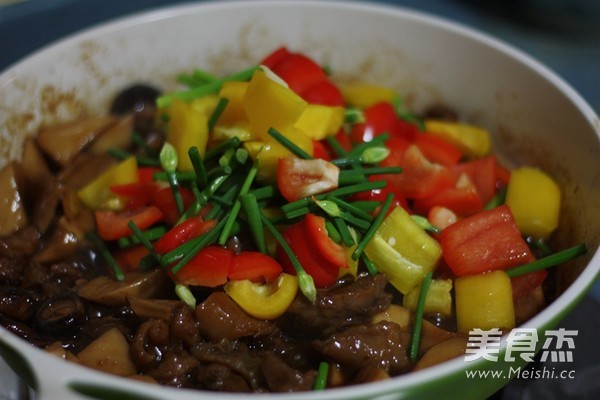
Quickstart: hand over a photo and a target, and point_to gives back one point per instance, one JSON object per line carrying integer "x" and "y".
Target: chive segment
{"x": 416, "y": 333}
{"x": 548, "y": 261}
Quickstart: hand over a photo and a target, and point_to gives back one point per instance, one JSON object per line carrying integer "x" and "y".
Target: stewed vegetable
{"x": 270, "y": 230}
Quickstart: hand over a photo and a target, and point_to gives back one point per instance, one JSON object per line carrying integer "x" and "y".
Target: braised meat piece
{"x": 345, "y": 305}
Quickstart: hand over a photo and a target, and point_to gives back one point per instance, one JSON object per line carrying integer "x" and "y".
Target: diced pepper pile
{"x": 323, "y": 181}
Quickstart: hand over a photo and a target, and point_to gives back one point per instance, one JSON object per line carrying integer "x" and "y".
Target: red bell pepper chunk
{"x": 298, "y": 178}
{"x": 276, "y": 56}
{"x": 320, "y": 150}
{"x": 112, "y": 225}
{"x": 323, "y": 272}
{"x": 210, "y": 267}
{"x": 129, "y": 258}
{"x": 438, "y": 150}
{"x": 146, "y": 174}
{"x": 299, "y": 71}
{"x": 482, "y": 172}
{"x": 522, "y": 285}
{"x": 316, "y": 233}
{"x": 463, "y": 199}
{"x": 183, "y": 232}
{"x": 164, "y": 200}
{"x": 255, "y": 266}
{"x": 420, "y": 178}
{"x": 323, "y": 92}
{"x": 138, "y": 194}
{"x": 487, "y": 241}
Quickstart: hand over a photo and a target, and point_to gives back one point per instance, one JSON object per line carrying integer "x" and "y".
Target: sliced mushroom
{"x": 35, "y": 170}
{"x": 443, "y": 351}
{"x": 13, "y": 215}
{"x": 63, "y": 242}
{"x": 105, "y": 290}
{"x": 62, "y": 143}
{"x": 152, "y": 308}
{"x": 61, "y": 314}
{"x": 117, "y": 136}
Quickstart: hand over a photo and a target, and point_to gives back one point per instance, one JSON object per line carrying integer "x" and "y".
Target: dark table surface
{"x": 562, "y": 34}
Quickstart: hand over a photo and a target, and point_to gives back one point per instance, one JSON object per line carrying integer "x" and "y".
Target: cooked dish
{"x": 270, "y": 231}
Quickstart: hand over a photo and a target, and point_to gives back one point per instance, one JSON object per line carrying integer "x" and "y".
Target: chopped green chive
{"x": 416, "y": 334}
{"x": 219, "y": 108}
{"x": 549, "y": 261}
{"x": 374, "y": 226}
{"x": 322, "y": 375}
{"x": 106, "y": 254}
{"x": 288, "y": 144}
{"x": 252, "y": 210}
{"x": 185, "y": 294}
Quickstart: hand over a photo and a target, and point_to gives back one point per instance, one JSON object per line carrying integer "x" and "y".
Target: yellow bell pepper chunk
{"x": 264, "y": 301}
{"x": 534, "y": 199}
{"x": 319, "y": 121}
{"x": 270, "y": 104}
{"x": 269, "y": 152}
{"x": 234, "y": 113}
{"x": 403, "y": 251}
{"x": 484, "y": 301}
{"x": 97, "y": 194}
{"x": 438, "y": 299}
{"x": 187, "y": 127}
{"x": 363, "y": 95}
{"x": 472, "y": 141}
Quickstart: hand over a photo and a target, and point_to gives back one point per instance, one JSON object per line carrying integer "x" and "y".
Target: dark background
{"x": 562, "y": 34}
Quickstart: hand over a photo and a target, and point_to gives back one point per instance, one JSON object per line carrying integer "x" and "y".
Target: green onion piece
{"x": 406, "y": 115}
{"x": 265, "y": 192}
{"x": 346, "y": 179}
{"x": 497, "y": 200}
{"x": 416, "y": 334}
{"x": 141, "y": 160}
{"x": 366, "y": 205}
{"x": 374, "y": 155}
{"x": 198, "y": 165}
{"x": 204, "y": 76}
{"x": 307, "y": 285}
{"x": 225, "y": 233}
{"x": 226, "y": 157}
{"x": 374, "y": 226}
{"x": 339, "y": 192}
{"x": 144, "y": 241}
{"x": 425, "y": 224}
{"x": 354, "y": 116}
{"x": 185, "y": 176}
{"x": 305, "y": 281}
{"x": 549, "y": 261}
{"x": 336, "y": 146}
{"x": 241, "y": 156}
{"x": 219, "y": 171}
{"x": 168, "y": 157}
{"x": 351, "y": 208}
{"x": 298, "y": 212}
{"x": 345, "y": 232}
{"x": 250, "y": 206}
{"x": 169, "y": 161}
{"x": 330, "y": 207}
{"x": 106, "y": 254}
{"x": 139, "y": 141}
{"x": 288, "y": 144}
{"x": 203, "y": 90}
{"x": 150, "y": 234}
{"x": 185, "y": 294}
{"x": 333, "y": 232}
{"x": 184, "y": 253}
{"x": 371, "y": 267}
{"x": 376, "y": 141}
{"x": 371, "y": 171}
{"x": 219, "y": 149}
{"x": 541, "y": 245}
{"x": 216, "y": 114}
{"x": 322, "y": 374}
